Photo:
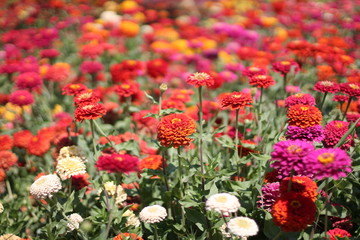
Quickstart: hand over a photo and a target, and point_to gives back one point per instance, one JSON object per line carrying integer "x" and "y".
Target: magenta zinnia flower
{"x": 270, "y": 192}
{"x": 288, "y": 155}
{"x": 334, "y": 131}
{"x": 91, "y": 67}
{"x": 326, "y": 87}
{"x": 328, "y": 162}
{"x": 314, "y": 133}
{"x": 21, "y": 98}
{"x": 300, "y": 98}
{"x": 28, "y": 80}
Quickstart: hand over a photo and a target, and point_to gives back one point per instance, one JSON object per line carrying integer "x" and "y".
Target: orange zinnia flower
{"x": 304, "y": 116}
{"x": 174, "y": 129}
{"x": 122, "y": 236}
{"x": 151, "y": 162}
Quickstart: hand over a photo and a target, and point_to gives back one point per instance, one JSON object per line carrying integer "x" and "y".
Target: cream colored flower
{"x": 1, "y": 208}
{"x": 223, "y": 203}
{"x": 69, "y": 166}
{"x": 224, "y": 231}
{"x": 115, "y": 191}
{"x": 132, "y": 220}
{"x": 74, "y": 221}
{"x": 243, "y": 227}
{"x": 45, "y": 186}
{"x": 153, "y": 214}
{"x": 9, "y": 237}
{"x": 71, "y": 151}
{"x": 110, "y": 188}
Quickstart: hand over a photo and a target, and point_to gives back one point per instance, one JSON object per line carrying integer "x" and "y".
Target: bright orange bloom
{"x": 293, "y": 213}
{"x": 174, "y": 129}
{"x": 151, "y": 162}
{"x": 22, "y": 138}
{"x": 6, "y": 142}
{"x": 304, "y": 116}
{"x": 38, "y": 145}
{"x": 7, "y": 159}
{"x": 301, "y": 185}
{"x": 123, "y": 236}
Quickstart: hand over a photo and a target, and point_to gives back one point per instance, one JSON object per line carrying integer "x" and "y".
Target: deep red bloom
{"x": 261, "y": 81}
{"x": 157, "y": 68}
{"x": 80, "y": 181}
{"x": 285, "y": 67}
{"x": 326, "y": 87}
{"x": 301, "y": 185}
{"x": 127, "y": 89}
{"x": 49, "y": 53}
{"x": 123, "y": 163}
{"x": 337, "y": 233}
{"x": 89, "y": 111}
{"x": 236, "y": 100}
{"x": 86, "y": 97}
{"x": 351, "y": 89}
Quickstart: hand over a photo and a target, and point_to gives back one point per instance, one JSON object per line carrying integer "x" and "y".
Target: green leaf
{"x": 343, "y": 139}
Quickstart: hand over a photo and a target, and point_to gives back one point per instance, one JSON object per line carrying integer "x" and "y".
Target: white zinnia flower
{"x": 45, "y": 186}
{"x": 110, "y": 17}
{"x": 243, "y": 227}
{"x": 115, "y": 191}
{"x": 1, "y": 208}
{"x": 71, "y": 151}
{"x": 74, "y": 221}
{"x": 132, "y": 220}
{"x": 70, "y": 166}
{"x": 223, "y": 203}
{"x": 153, "y": 214}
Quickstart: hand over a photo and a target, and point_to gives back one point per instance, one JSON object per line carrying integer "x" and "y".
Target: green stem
{"x": 326, "y": 207}
{"x": 102, "y": 132}
{"x": 260, "y": 102}
{"x": 164, "y": 169}
{"x": 237, "y": 140}
{"x": 323, "y": 100}
{"x": 347, "y": 108}
{"x": 277, "y": 236}
{"x": 8, "y": 187}
{"x": 155, "y": 232}
{"x": 182, "y": 189}
{"x": 201, "y": 141}
{"x": 93, "y": 136}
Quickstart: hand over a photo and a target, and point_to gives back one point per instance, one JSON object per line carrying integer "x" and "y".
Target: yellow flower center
{"x": 237, "y": 96}
{"x": 254, "y": 69}
{"x": 175, "y": 120}
{"x": 327, "y": 83}
{"x": 131, "y": 62}
{"x": 294, "y": 149}
{"x": 125, "y": 86}
{"x": 152, "y": 209}
{"x": 339, "y": 125}
{"x": 119, "y": 159}
{"x": 88, "y": 107}
{"x": 295, "y": 204}
{"x": 299, "y": 95}
{"x": 41, "y": 181}
{"x": 285, "y": 63}
{"x": 326, "y": 158}
{"x": 354, "y": 86}
{"x": 74, "y": 86}
{"x": 261, "y": 77}
{"x": 304, "y": 108}
{"x": 242, "y": 224}
{"x": 221, "y": 199}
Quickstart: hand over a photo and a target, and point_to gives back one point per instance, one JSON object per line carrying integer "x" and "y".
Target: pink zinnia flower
{"x": 326, "y": 87}
{"x": 21, "y": 98}
{"x": 49, "y": 53}
{"x": 328, "y": 162}
{"x": 335, "y": 233}
{"x": 314, "y": 133}
{"x": 270, "y": 192}
{"x": 292, "y": 89}
{"x": 252, "y": 71}
{"x": 334, "y": 131}
{"x": 300, "y": 98}
{"x": 200, "y": 79}
{"x": 288, "y": 155}
{"x": 284, "y": 67}
{"x": 351, "y": 89}
{"x": 28, "y": 80}
{"x": 122, "y": 163}
{"x": 91, "y": 67}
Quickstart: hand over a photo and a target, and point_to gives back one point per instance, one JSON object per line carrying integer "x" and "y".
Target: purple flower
{"x": 288, "y": 155}
{"x": 328, "y": 162}
{"x": 270, "y": 192}
{"x": 314, "y": 133}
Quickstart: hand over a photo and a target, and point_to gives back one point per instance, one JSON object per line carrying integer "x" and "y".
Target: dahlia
{"x": 151, "y": 162}
{"x": 74, "y": 221}
{"x": 284, "y": 67}
{"x": 337, "y": 233}
{"x": 156, "y": 68}
{"x": 314, "y": 133}
{"x": 270, "y": 192}
{"x": 223, "y": 203}
{"x": 329, "y": 162}
{"x": 301, "y": 185}
{"x": 288, "y": 155}
{"x": 45, "y": 186}
{"x": 21, "y": 98}
{"x": 304, "y": 116}
{"x": 91, "y": 67}
{"x": 131, "y": 236}
{"x": 123, "y": 163}
{"x": 28, "y": 80}
{"x": 334, "y": 131}
{"x": 251, "y": 71}
{"x": 236, "y": 100}
{"x": 22, "y": 138}
{"x": 200, "y": 79}
{"x": 175, "y": 129}
{"x": 243, "y": 227}
{"x": 6, "y": 142}
{"x": 86, "y": 97}
{"x": 73, "y": 89}
{"x": 69, "y": 166}
{"x": 300, "y": 98}
{"x": 89, "y": 112}
{"x": 293, "y": 213}
{"x": 351, "y": 89}
{"x": 326, "y": 87}
{"x": 153, "y": 214}
{"x": 261, "y": 81}
{"x": 7, "y": 159}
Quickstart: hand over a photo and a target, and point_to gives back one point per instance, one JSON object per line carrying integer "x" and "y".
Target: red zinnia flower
{"x": 351, "y": 89}
{"x": 304, "y": 116}
{"x": 261, "y": 81}
{"x": 326, "y": 87}
{"x": 131, "y": 236}
{"x": 200, "y": 79}
{"x": 236, "y": 100}
{"x": 174, "y": 129}
{"x": 285, "y": 67}
{"x": 336, "y": 233}
{"x": 2, "y": 175}
{"x": 38, "y": 145}
{"x": 293, "y": 213}
{"x": 73, "y": 89}
{"x": 301, "y": 185}
{"x": 127, "y": 89}
{"x": 156, "y": 68}
{"x": 90, "y": 111}
{"x": 177, "y": 104}
{"x": 123, "y": 163}
{"x": 49, "y": 53}
{"x": 252, "y": 71}
{"x": 86, "y": 97}
{"x": 21, "y": 98}
{"x": 6, "y": 142}
{"x": 22, "y": 138}
{"x": 28, "y": 80}
{"x": 7, "y": 159}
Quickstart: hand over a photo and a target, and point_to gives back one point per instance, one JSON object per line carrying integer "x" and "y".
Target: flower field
{"x": 189, "y": 119}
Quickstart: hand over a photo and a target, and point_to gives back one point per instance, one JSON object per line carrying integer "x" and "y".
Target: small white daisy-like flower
{"x": 110, "y": 188}
{"x": 74, "y": 221}
{"x": 71, "y": 151}
{"x": 132, "y": 220}
{"x": 70, "y": 166}
{"x": 45, "y": 186}
{"x": 223, "y": 203}
{"x": 243, "y": 227}
{"x": 120, "y": 195}
{"x": 1, "y": 208}
{"x": 153, "y": 214}
{"x": 9, "y": 236}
